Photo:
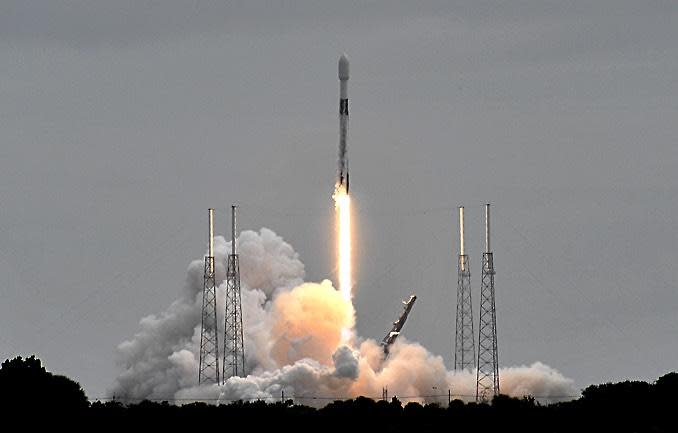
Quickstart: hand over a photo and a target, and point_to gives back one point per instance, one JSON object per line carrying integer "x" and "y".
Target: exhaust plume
{"x": 294, "y": 332}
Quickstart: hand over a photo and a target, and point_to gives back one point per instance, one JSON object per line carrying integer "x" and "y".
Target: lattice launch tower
{"x": 487, "y": 376}
{"x": 208, "y": 370}
{"x": 234, "y": 345}
{"x": 464, "y": 346}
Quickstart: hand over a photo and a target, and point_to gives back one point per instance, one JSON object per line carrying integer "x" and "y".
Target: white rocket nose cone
{"x": 343, "y": 67}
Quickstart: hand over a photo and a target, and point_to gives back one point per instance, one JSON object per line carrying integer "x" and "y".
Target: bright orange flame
{"x": 342, "y": 202}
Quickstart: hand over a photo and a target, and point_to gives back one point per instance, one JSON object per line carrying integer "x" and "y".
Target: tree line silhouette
{"x": 30, "y": 393}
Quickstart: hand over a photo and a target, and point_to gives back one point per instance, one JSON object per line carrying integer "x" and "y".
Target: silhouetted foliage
{"x": 25, "y": 383}
{"x": 629, "y": 406}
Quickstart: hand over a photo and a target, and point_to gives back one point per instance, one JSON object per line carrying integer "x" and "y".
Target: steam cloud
{"x": 293, "y": 342}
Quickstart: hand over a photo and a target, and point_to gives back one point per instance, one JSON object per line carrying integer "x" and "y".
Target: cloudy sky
{"x": 122, "y": 122}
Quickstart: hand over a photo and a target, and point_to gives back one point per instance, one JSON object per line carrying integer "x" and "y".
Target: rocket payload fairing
{"x": 343, "y": 122}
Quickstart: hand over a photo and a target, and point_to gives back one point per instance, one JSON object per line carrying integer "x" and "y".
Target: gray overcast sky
{"x": 121, "y": 122}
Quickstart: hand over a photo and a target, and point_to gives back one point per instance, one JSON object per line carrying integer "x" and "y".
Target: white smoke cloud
{"x": 346, "y": 363}
{"x": 295, "y": 341}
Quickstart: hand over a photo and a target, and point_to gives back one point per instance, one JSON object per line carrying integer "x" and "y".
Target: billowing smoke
{"x": 295, "y": 342}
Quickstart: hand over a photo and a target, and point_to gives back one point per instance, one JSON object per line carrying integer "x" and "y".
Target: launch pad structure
{"x": 487, "y": 376}
{"x": 234, "y": 345}
{"x": 233, "y": 363}
{"x": 464, "y": 345}
{"x": 390, "y": 338}
{"x": 485, "y": 360}
{"x": 208, "y": 370}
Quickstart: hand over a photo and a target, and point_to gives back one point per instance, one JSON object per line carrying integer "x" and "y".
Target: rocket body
{"x": 343, "y": 123}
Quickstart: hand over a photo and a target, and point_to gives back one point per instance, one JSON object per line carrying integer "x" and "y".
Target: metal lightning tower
{"x": 487, "y": 376}
{"x": 209, "y": 343}
{"x": 234, "y": 346}
{"x": 464, "y": 345}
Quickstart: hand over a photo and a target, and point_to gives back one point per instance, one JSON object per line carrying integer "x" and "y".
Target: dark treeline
{"x": 32, "y": 394}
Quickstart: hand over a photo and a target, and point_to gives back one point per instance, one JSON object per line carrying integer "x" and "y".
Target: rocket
{"x": 343, "y": 122}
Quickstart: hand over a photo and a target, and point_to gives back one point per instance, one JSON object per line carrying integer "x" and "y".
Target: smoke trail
{"x": 293, "y": 337}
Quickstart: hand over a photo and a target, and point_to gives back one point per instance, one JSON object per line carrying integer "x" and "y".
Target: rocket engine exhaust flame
{"x": 342, "y": 202}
